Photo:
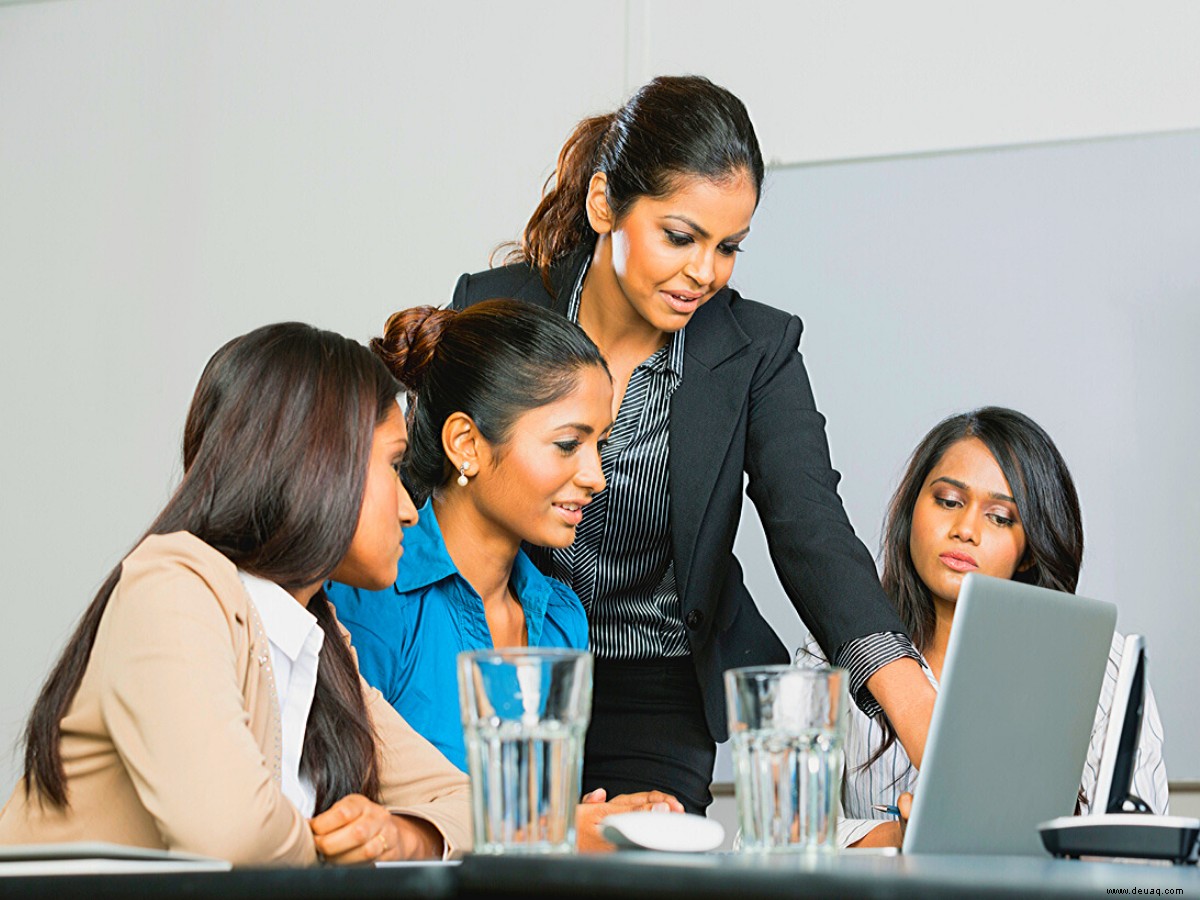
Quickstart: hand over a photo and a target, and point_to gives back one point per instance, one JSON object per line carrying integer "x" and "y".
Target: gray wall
{"x": 1061, "y": 280}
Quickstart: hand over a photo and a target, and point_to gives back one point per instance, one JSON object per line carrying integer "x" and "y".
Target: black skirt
{"x": 648, "y": 732}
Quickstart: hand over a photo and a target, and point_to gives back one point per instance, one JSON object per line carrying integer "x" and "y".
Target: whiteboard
{"x": 1061, "y": 280}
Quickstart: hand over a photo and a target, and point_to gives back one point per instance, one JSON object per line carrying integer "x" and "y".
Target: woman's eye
{"x": 678, "y": 238}
{"x": 1002, "y": 520}
{"x": 729, "y": 249}
{"x": 948, "y": 502}
{"x": 567, "y": 447}
{"x": 396, "y": 467}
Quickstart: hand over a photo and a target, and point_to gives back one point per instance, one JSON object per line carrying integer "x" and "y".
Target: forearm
{"x": 907, "y": 697}
{"x": 885, "y": 834}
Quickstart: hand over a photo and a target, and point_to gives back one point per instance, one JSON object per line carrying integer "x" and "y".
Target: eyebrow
{"x": 577, "y": 426}
{"x": 995, "y": 495}
{"x": 702, "y": 231}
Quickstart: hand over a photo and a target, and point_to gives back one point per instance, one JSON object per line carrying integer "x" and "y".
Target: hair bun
{"x": 409, "y": 341}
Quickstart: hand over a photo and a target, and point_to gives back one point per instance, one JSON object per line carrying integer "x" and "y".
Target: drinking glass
{"x": 787, "y": 727}
{"x": 524, "y": 714}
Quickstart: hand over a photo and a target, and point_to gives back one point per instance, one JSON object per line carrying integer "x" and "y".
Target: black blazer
{"x": 744, "y": 406}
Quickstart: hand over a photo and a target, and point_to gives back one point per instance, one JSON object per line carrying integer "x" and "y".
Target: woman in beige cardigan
{"x": 164, "y": 723}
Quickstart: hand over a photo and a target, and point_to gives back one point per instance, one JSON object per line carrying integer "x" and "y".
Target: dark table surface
{"x": 650, "y": 875}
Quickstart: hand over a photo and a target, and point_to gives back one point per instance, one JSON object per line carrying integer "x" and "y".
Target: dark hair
{"x": 493, "y": 361}
{"x": 275, "y": 454}
{"x": 1045, "y": 498}
{"x": 674, "y": 127}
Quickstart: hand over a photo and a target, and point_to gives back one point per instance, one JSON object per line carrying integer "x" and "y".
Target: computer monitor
{"x": 1118, "y": 755}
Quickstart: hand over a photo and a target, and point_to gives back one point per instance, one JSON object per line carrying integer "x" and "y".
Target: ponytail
{"x": 560, "y": 223}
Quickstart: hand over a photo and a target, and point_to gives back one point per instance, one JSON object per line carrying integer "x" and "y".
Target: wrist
{"x": 418, "y": 838}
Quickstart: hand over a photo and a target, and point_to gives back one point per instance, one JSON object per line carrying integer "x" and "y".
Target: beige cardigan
{"x": 172, "y": 740}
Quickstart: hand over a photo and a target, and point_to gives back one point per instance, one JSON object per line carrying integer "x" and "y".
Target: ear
{"x": 599, "y": 215}
{"x": 461, "y": 442}
{"x": 1027, "y": 563}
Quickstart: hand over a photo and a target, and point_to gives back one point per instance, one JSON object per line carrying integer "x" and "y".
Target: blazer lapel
{"x": 705, "y": 409}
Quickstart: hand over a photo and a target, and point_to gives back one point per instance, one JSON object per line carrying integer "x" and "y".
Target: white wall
{"x": 852, "y": 78}
{"x": 173, "y": 174}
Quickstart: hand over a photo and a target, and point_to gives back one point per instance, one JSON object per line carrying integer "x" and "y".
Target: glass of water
{"x": 524, "y": 713}
{"x": 787, "y": 727}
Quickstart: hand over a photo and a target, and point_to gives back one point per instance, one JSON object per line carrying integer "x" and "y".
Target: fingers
{"x": 904, "y": 803}
{"x": 587, "y": 827}
{"x": 599, "y": 795}
{"x": 355, "y": 830}
{"x": 341, "y": 813}
{"x": 656, "y": 801}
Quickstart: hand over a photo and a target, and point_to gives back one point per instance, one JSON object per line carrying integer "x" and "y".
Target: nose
{"x": 590, "y": 475}
{"x": 405, "y": 508}
{"x": 965, "y": 526}
{"x": 701, "y": 267}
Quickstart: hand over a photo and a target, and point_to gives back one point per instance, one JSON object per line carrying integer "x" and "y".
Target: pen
{"x": 884, "y": 808}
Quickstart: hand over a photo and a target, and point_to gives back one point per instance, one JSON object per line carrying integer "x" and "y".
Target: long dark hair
{"x": 672, "y": 128}
{"x": 275, "y": 454}
{"x": 1045, "y": 498}
{"x": 493, "y": 361}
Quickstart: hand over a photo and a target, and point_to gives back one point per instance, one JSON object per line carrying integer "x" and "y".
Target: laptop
{"x": 1013, "y": 719}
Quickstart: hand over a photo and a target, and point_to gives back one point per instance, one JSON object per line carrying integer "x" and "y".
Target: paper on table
{"x": 97, "y": 857}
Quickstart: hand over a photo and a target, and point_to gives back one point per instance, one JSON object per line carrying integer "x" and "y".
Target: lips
{"x": 959, "y": 561}
{"x": 685, "y": 302}
{"x": 571, "y": 511}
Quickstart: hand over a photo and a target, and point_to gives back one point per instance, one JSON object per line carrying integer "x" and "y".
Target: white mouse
{"x": 670, "y": 832}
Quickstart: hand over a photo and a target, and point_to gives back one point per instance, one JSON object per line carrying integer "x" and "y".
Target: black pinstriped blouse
{"x": 621, "y": 564}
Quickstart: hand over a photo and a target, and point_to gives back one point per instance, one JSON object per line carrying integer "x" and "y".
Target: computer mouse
{"x": 666, "y": 831}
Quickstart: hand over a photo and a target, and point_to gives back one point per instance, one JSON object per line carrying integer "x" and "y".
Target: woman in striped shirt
{"x": 985, "y": 491}
{"x": 635, "y": 240}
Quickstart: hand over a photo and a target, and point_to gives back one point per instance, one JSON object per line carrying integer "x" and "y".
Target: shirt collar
{"x": 286, "y": 622}
{"x": 533, "y": 592}
{"x": 426, "y": 561}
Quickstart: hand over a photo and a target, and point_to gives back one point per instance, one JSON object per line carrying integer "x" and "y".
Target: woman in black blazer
{"x": 635, "y": 240}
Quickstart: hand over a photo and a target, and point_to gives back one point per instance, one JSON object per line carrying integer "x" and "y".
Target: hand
{"x": 889, "y": 834}
{"x": 593, "y": 807}
{"x": 357, "y": 830}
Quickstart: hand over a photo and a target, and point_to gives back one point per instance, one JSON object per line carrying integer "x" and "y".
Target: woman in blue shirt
{"x": 511, "y": 406}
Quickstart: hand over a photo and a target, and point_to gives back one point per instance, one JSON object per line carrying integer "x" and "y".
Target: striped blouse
{"x": 621, "y": 564}
{"x": 892, "y": 774}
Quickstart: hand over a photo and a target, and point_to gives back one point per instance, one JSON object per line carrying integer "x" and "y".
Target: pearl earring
{"x": 462, "y": 475}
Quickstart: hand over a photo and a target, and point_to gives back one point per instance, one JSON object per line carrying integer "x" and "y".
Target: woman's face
{"x": 386, "y": 510}
{"x": 965, "y": 520}
{"x": 671, "y": 254}
{"x": 534, "y": 486}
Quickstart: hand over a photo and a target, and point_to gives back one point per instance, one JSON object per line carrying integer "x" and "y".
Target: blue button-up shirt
{"x": 408, "y": 636}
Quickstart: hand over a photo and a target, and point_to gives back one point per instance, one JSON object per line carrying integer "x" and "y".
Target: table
{"x": 660, "y": 876}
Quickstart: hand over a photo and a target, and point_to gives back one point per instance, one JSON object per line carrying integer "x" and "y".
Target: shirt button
{"x": 694, "y": 619}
